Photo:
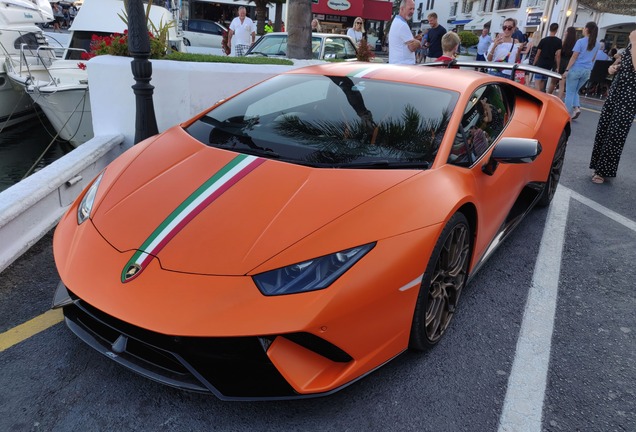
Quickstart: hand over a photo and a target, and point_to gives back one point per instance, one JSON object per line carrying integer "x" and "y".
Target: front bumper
{"x": 231, "y": 368}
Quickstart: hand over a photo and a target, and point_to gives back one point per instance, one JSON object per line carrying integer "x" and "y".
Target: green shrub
{"x": 468, "y": 39}
{"x": 208, "y": 58}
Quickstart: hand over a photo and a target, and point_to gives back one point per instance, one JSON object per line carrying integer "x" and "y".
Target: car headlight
{"x": 309, "y": 275}
{"x": 85, "y": 207}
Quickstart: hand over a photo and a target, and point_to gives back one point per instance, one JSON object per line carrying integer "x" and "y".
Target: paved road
{"x": 583, "y": 373}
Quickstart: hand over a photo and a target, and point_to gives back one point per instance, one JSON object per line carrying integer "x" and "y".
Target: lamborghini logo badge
{"x": 131, "y": 271}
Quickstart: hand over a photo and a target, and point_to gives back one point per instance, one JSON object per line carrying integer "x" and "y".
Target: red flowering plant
{"x": 117, "y": 44}
{"x": 365, "y": 51}
{"x": 224, "y": 45}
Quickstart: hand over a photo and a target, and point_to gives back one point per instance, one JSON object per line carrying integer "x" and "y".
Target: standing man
{"x": 402, "y": 44}
{"x": 435, "y": 34}
{"x": 484, "y": 42}
{"x": 548, "y": 57}
{"x": 517, "y": 34}
{"x": 245, "y": 31}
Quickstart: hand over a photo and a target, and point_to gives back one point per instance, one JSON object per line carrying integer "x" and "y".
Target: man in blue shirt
{"x": 435, "y": 34}
{"x": 518, "y": 35}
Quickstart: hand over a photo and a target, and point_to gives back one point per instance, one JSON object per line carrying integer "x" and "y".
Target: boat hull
{"x": 15, "y": 106}
{"x": 68, "y": 110}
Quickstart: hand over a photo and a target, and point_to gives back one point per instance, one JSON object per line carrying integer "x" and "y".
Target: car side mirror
{"x": 512, "y": 151}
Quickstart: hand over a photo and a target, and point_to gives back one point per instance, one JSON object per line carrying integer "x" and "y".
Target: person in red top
{"x": 450, "y": 43}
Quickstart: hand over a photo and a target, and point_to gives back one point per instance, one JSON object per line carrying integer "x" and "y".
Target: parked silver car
{"x": 324, "y": 46}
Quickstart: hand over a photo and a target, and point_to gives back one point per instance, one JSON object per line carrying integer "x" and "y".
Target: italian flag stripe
{"x": 362, "y": 72}
{"x": 209, "y": 191}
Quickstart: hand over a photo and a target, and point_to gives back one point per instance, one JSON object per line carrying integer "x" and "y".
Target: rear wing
{"x": 499, "y": 66}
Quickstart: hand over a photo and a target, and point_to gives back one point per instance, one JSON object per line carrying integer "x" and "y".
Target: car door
{"x": 487, "y": 119}
{"x": 192, "y": 34}
{"x": 211, "y": 34}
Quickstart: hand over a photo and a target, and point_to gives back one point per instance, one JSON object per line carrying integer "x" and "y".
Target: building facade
{"x": 531, "y": 16}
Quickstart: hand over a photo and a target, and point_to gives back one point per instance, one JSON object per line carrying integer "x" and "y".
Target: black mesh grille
{"x": 228, "y": 367}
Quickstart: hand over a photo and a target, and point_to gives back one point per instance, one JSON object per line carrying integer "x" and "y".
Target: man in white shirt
{"x": 242, "y": 31}
{"x": 402, "y": 44}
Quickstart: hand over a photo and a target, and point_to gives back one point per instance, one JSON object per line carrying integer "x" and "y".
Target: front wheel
{"x": 442, "y": 284}
{"x": 555, "y": 172}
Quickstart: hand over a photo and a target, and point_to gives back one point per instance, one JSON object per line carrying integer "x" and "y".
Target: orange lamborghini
{"x": 299, "y": 235}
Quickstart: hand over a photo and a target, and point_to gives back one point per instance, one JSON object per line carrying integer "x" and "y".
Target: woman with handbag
{"x": 504, "y": 49}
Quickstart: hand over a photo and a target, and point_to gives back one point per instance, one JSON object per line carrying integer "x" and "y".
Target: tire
{"x": 442, "y": 284}
{"x": 186, "y": 42}
{"x": 555, "y": 172}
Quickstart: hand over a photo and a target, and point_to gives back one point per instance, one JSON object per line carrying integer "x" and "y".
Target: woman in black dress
{"x": 617, "y": 115}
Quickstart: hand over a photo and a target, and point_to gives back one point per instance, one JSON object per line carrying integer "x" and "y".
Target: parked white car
{"x": 324, "y": 46}
{"x": 203, "y": 33}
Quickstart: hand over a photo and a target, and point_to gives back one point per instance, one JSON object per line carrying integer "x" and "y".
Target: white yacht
{"x": 20, "y": 39}
{"x": 61, "y": 89}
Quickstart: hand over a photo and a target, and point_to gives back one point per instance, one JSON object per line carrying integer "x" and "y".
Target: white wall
{"x": 182, "y": 89}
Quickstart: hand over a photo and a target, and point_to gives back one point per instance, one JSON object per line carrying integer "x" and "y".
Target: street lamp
{"x": 568, "y": 13}
{"x": 139, "y": 47}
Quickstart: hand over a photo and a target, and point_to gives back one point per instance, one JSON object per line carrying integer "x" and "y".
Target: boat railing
{"x": 46, "y": 64}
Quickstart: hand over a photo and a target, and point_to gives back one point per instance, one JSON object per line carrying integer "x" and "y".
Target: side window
{"x": 349, "y": 49}
{"x": 316, "y": 44}
{"x": 333, "y": 49}
{"x": 194, "y": 26}
{"x": 211, "y": 28}
{"x": 484, "y": 120}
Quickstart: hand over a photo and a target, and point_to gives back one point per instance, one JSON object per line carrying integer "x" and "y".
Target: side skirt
{"x": 525, "y": 202}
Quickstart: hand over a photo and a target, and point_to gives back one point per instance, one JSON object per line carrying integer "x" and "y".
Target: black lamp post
{"x": 139, "y": 47}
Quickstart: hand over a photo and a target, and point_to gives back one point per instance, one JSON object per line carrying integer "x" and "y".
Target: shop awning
{"x": 380, "y": 10}
{"x": 377, "y": 10}
{"x": 460, "y": 22}
{"x": 477, "y": 23}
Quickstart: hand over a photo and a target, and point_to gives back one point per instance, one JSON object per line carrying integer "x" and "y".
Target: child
{"x": 450, "y": 42}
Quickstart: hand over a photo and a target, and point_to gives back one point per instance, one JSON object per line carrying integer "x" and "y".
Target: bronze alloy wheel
{"x": 442, "y": 284}
{"x": 555, "y": 172}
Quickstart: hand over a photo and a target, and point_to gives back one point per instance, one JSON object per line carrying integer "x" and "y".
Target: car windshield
{"x": 276, "y": 45}
{"x": 328, "y": 121}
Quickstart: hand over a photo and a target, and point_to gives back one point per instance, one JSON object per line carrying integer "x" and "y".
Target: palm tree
{"x": 299, "y": 29}
{"x": 278, "y": 14}
{"x": 261, "y": 12}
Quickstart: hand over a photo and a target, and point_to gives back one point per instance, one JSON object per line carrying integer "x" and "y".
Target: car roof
{"x": 325, "y": 35}
{"x": 207, "y": 20}
{"x": 461, "y": 81}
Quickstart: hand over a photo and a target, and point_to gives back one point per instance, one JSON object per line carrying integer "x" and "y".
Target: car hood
{"x": 210, "y": 211}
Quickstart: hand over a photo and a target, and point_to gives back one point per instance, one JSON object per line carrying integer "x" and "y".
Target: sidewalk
{"x": 592, "y": 103}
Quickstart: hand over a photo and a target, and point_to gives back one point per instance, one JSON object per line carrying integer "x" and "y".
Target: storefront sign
{"x": 534, "y": 19}
{"x": 335, "y": 18}
{"x": 339, "y": 5}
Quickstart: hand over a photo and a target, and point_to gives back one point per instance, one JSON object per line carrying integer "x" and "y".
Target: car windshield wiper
{"x": 383, "y": 163}
{"x": 259, "y": 53}
{"x": 255, "y": 151}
